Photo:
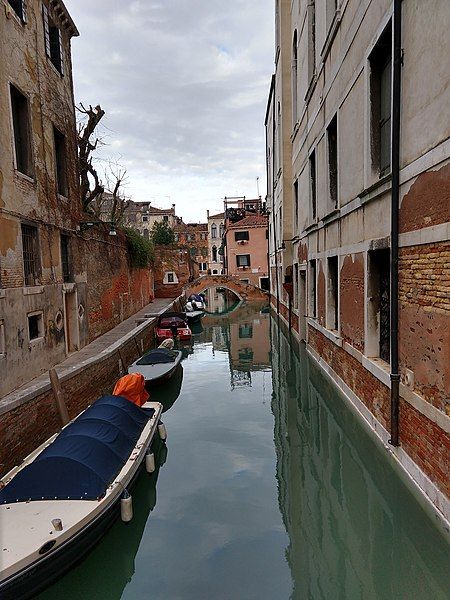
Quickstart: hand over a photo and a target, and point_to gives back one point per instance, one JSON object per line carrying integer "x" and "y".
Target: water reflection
{"x": 168, "y": 393}
{"x": 221, "y": 300}
{"x": 355, "y": 530}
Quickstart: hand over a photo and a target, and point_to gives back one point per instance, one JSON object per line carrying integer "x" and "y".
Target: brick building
{"x": 339, "y": 176}
{"x": 62, "y": 282}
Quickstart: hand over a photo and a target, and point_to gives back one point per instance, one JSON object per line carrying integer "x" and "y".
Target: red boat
{"x": 172, "y": 325}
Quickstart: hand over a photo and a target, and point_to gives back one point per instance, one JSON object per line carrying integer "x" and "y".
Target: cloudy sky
{"x": 184, "y": 84}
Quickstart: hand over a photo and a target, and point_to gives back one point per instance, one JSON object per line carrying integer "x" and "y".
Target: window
{"x": 53, "y": 40}
{"x": 145, "y": 218}
{"x": 19, "y": 8}
{"x": 221, "y": 230}
{"x": 30, "y": 252}
{"x": 214, "y": 231}
{"x": 312, "y": 289}
{"x": 380, "y": 102}
{"x": 311, "y": 10}
{"x": 35, "y": 326}
{"x": 241, "y": 236}
{"x": 176, "y": 237}
{"x": 312, "y": 184}
{"x": 214, "y": 271}
{"x": 214, "y": 253}
{"x": 2, "y": 339}
{"x": 22, "y": 132}
{"x": 295, "y": 206}
{"x": 294, "y": 80}
{"x": 60, "y": 161}
{"x": 165, "y": 218}
{"x": 245, "y": 331}
{"x": 203, "y": 266}
{"x": 333, "y": 161}
{"x": 243, "y": 260}
{"x": 332, "y": 294}
{"x": 379, "y": 310}
{"x": 65, "y": 258}
{"x": 170, "y": 278}
{"x": 296, "y": 285}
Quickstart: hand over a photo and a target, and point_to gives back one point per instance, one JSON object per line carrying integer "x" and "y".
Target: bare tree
{"x": 87, "y": 143}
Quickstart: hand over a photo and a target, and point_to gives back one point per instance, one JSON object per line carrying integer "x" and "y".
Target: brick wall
{"x": 352, "y": 300}
{"x": 424, "y": 325}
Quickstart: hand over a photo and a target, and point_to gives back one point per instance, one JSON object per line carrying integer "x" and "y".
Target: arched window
{"x": 214, "y": 231}
{"x": 214, "y": 253}
{"x": 294, "y": 80}
{"x": 221, "y": 230}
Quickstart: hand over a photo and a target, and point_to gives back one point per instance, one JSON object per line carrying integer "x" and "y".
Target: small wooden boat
{"x": 157, "y": 365}
{"x": 57, "y": 504}
{"x": 193, "y": 316}
{"x": 172, "y": 325}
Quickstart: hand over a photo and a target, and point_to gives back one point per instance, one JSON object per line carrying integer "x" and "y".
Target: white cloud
{"x": 184, "y": 84}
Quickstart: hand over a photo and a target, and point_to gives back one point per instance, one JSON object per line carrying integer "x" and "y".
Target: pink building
{"x": 246, "y": 247}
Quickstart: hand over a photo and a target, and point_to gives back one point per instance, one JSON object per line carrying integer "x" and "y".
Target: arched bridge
{"x": 244, "y": 291}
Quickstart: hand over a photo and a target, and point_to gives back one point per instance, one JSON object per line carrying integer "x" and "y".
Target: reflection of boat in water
{"x": 197, "y": 328}
{"x": 168, "y": 394}
{"x": 111, "y": 564}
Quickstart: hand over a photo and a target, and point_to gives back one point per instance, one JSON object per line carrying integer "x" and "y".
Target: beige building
{"x": 357, "y": 136}
{"x": 216, "y": 229}
{"x": 42, "y": 284}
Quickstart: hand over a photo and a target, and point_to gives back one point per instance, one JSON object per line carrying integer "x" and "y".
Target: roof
{"x": 218, "y": 216}
{"x": 251, "y": 221}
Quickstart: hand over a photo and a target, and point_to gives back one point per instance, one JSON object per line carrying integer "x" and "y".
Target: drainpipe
{"x": 273, "y": 205}
{"x": 395, "y": 198}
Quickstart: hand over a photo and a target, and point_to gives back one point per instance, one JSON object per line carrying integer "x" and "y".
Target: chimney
{"x": 173, "y": 208}
{"x": 207, "y": 214}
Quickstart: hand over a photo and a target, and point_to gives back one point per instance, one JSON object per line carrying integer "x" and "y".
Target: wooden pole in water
{"x": 122, "y": 360}
{"x": 59, "y": 396}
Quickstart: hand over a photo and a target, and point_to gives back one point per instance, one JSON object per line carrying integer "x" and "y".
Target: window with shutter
{"x": 18, "y": 7}
{"x": 53, "y": 41}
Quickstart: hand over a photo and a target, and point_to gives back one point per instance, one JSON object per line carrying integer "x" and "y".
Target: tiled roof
{"x": 219, "y": 216}
{"x": 250, "y": 221}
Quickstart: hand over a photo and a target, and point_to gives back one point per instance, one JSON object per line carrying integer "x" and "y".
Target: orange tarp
{"x": 132, "y": 387}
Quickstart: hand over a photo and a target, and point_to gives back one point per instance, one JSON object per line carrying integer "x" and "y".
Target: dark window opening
{"x": 380, "y": 101}
{"x": 53, "y": 41}
{"x": 333, "y": 290}
{"x": 312, "y": 181}
{"x": 60, "y": 161}
{"x": 21, "y": 125}
{"x": 311, "y": 39}
{"x": 312, "y": 288}
{"x": 30, "y": 249}
{"x": 333, "y": 161}
{"x": 65, "y": 258}
{"x": 243, "y": 260}
{"x": 170, "y": 278}
{"x": 18, "y": 8}
{"x": 145, "y": 219}
{"x": 245, "y": 331}
{"x": 294, "y": 79}
{"x": 380, "y": 299}
{"x": 214, "y": 253}
{"x": 35, "y": 326}
{"x": 241, "y": 236}
{"x": 165, "y": 218}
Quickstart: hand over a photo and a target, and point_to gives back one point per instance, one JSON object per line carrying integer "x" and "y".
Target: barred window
{"x": 30, "y": 250}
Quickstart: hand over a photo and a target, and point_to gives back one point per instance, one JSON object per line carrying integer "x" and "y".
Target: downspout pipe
{"x": 273, "y": 205}
{"x": 395, "y": 198}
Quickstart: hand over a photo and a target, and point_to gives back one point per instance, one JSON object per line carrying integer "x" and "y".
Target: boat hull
{"x": 156, "y": 374}
{"x": 37, "y": 577}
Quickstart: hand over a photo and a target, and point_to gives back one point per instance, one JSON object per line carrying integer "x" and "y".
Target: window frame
{"x": 21, "y": 130}
{"x": 240, "y": 256}
{"x": 60, "y": 155}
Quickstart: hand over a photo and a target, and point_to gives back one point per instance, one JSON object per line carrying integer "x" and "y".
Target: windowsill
{"x": 55, "y": 69}
{"x": 24, "y": 176}
{"x": 68, "y": 287}
{"x": 331, "y": 35}
{"x": 36, "y": 341}
{"x": 331, "y": 334}
{"x": 331, "y": 216}
{"x": 11, "y": 13}
{"x": 310, "y": 228}
{"x": 32, "y": 290}
{"x": 311, "y": 88}
{"x": 374, "y": 187}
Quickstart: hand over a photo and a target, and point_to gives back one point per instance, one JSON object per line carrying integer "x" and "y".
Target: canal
{"x": 271, "y": 489}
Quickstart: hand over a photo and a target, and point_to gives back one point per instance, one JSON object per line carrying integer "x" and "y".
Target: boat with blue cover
{"x": 58, "y": 503}
{"x": 157, "y": 365}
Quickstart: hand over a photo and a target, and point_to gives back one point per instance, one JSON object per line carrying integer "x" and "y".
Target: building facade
{"x": 194, "y": 238}
{"x": 349, "y": 75}
{"x": 42, "y": 285}
{"x": 216, "y": 229}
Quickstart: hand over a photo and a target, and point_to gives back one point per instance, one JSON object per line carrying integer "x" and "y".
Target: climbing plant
{"x": 141, "y": 251}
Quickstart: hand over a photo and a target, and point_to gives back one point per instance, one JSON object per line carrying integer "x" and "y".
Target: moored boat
{"x": 157, "y": 365}
{"x": 172, "y": 325}
{"x": 58, "y": 503}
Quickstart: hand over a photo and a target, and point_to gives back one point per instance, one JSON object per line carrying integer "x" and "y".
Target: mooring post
{"x": 59, "y": 396}
{"x": 122, "y": 361}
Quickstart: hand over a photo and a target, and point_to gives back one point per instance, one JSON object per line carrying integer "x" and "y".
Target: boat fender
{"x": 150, "y": 461}
{"x": 57, "y": 524}
{"x": 162, "y": 431}
{"x": 126, "y": 507}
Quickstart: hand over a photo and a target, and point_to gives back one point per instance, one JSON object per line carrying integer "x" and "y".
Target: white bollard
{"x": 150, "y": 462}
{"x": 162, "y": 431}
{"x": 126, "y": 507}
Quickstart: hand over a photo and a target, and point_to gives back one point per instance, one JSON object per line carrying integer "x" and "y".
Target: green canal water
{"x": 271, "y": 489}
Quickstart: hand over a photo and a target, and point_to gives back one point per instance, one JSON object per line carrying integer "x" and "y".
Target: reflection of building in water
{"x": 350, "y": 520}
{"x": 250, "y": 343}
{"x": 220, "y": 300}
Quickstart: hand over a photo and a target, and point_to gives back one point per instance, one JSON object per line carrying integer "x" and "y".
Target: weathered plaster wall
{"x": 352, "y": 300}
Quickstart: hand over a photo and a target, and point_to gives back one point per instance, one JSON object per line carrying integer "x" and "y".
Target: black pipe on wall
{"x": 395, "y": 199}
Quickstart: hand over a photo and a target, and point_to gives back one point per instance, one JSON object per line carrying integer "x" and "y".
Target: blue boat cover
{"x": 158, "y": 356}
{"x": 85, "y": 457}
